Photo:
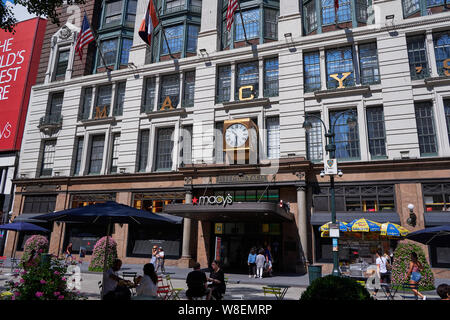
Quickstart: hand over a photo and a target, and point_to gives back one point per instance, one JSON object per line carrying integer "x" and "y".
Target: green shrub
{"x": 37, "y": 243}
{"x": 98, "y": 255}
{"x": 402, "y": 258}
{"x": 335, "y": 288}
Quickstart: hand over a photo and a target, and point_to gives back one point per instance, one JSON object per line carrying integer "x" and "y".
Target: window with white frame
{"x": 48, "y": 157}
{"x": 186, "y": 145}
{"x": 62, "y": 63}
{"x": 164, "y": 149}
{"x": 79, "y": 141}
{"x": 346, "y": 138}
{"x": 426, "y": 130}
{"x": 311, "y": 71}
{"x": 169, "y": 89}
{"x": 188, "y": 89}
{"x": 114, "y": 152}
{"x": 223, "y": 86}
{"x": 96, "y": 154}
{"x": 368, "y": 63}
{"x": 376, "y": 132}
{"x": 314, "y": 138}
{"x": 417, "y": 56}
{"x": 339, "y": 61}
{"x": 442, "y": 52}
{"x": 103, "y": 101}
{"x": 144, "y": 140}
{"x": 149, "y": 95}
{"x": 273, "y": 137}
{"x": 119, "y": 99}
{"x": 85, "y": 106}
{"x": 271, "y": 77}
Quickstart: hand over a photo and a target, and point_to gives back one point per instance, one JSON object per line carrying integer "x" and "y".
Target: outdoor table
{"x": 388, "y": 290}
{"x": 283, "y": 291}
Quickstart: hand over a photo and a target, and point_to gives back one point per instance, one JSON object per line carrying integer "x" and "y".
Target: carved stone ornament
{"x": 65, "y": 33}
{"x": 188, "y": 180}
{"x": 300, "y": 175}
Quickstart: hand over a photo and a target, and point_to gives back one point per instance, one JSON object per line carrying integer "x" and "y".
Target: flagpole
{"x": 242, "y": 20}
{"x": 96, "y": 42}
{"x": 164, "y": 33}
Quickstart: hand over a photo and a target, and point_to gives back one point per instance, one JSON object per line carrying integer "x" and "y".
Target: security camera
{"x": 322, "y": 173}
{"x": 340, "y": 173}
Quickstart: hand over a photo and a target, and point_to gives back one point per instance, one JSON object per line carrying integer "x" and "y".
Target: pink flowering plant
{"x": 37, "y": 243}
{"x": 98, "y": 255}
{"x": 42, "y": 281}
{"x": 400, "y": 267}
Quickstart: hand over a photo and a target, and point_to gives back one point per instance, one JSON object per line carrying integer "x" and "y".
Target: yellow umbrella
{"x": 392, "y": 229}
{"x": 363, "y": 225}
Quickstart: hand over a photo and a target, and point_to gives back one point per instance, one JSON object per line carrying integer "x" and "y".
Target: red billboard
{"x": 19, "y": 60}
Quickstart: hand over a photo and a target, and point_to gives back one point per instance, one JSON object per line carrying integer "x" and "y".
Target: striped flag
{"x": 232, "y": 6}
{"x": 84, "y": 38}
{"x": 149, "y": 23}
{"x": 336, "y": 6}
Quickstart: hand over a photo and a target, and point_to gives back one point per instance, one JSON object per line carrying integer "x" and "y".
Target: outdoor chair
{"x": 131, "y": 275}
{"x": 175, "y": 291}
{"x": 164, "y": 292}
{"x": 100, "y": 287}
{"x": 409, "y": 286}
{"x": 2, "y": 263}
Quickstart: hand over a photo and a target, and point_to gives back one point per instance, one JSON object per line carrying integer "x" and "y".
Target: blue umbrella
{"x": 434, "y": 236}
{"x": 106, "y": 213}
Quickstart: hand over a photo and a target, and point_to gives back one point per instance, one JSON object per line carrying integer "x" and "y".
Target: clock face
{"x": 236, "y": 135}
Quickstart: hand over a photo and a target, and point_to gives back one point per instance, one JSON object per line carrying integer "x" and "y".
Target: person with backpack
{"x": 382, "y": 271}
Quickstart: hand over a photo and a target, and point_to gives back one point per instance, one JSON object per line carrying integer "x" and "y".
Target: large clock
{"x": 236, "y": 135}
{"x": 240, "y": 140}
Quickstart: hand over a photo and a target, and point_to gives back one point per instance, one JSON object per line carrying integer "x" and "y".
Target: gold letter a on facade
{"x": 167, "y": 104}
{"x": 340, "y": 80}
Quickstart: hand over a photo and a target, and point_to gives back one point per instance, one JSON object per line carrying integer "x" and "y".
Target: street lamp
{"x": 331, "y": 149}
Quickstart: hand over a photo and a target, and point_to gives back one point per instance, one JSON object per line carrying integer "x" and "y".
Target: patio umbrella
{"x": 21, "y": 226}
{"x": 394, "y": 230}
{"x": 108, "y": 213}
{"x": 325, "y": 229}
{"x": 363, "y": 225}
{"x": 435, "y": 236}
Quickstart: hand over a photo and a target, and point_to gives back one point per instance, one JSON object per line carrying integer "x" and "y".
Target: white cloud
{"x": 20, "y": 12}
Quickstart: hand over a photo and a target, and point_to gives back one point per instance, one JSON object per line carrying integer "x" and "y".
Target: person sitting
{"x": 147, "y": 285}
{"x": 443, "y": 290}
{"x": 217, "y": 277}
{"x": 197, "y": 283}
{"x": 114, "y": 287}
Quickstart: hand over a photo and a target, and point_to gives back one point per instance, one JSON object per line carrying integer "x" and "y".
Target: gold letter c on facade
{"x": 241, "y": 98}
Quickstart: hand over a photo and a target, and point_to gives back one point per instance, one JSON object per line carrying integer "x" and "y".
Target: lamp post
{"x": 330, "y": 148}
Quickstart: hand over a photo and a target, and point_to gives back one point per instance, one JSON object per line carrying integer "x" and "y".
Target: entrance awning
{"x": 238, "y": 211}
{"x": 320, "y": 218}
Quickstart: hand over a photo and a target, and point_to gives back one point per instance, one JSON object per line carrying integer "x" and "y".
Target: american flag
{"x": 84, "y": 38}
{"x": 232, "y": 6}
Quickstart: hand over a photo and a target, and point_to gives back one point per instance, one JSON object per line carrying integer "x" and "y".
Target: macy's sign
{"x": 219, "y": 200}
{"x": 5, "y": 131}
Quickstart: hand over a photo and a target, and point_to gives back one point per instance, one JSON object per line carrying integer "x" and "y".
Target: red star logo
{"x": 195, "y": 200}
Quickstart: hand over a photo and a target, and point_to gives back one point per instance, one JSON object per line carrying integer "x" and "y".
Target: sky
{"x": 20, "y": 12}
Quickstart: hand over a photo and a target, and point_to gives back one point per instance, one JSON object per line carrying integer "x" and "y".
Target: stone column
{"x": 302, "y": 225}
{"x": 186, "y": 251}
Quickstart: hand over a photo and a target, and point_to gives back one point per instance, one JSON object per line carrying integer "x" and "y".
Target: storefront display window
{"x": 81, "y": 200}
{"x": 251, "y": 195}
{"x": 436, "y": 197}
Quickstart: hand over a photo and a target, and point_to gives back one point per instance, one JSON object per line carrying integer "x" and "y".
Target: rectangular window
{"x": 164, "y": 148}
{"x": 114, "y": 152}
{"x": 78, "y": 155}
{"x": 273, "y": 138}
{"x": 103, "y": 102}
{"x": 131, "y": 13}
{"x": 96, "y": 155}
{"x": 174, "y": 6}
{"x": 192, "y": 38}
{"x": 174, "y": 37}
{"x": 125, "y": 53}
{"x": 311, "y": 72}
{"x": 143, "y": 150}
{"x": 368, "y": 62}
{"x": 346, "y": 138}
{"x": 218, "y": 143}
{"x": 340, "y": 63}
{"x": 436, "y": 197}
{"x": 186, "y": 145}
{"x": 425, "y": 128}
{"x": 362, "y": 13}
{"x": 432, "y": 3}
{"x": 376, "y": 132}
{"x": 120, "y": 97}
{"x": 226, "y": 36}
{"x": 56, "y": 105}
{"x": 271, "y": 77}
{"x": 447, "y": 116}
{"x": 247, "y": 74}
{"x": 417, "y": 56}
{"x": 310, "y": 16}
{"x": 109, "y": 52}
{"x": 113, "y": 13}
{"x": 86, "y": 102}
{"x": 39, "y": 204}
{"x": 251, "y": 23}
{"x": 169, "y": 92}
{"x": 344, "y": 12}
{"x": 314, "y": 138}
{"x": 442, "y": 52}
{"x": 410, "y": 7}
{"x": 223, "y": 84}
{"x": 48, "y": 157}
{"x": 62, "y": 63}
{"x": 271, "y": 23}
{"x": 149, "y": 95}
{"x": 189, "y": 89}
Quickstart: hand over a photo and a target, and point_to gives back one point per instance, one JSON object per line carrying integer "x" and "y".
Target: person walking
{"x": 154, "y": 253}
{"x": 382, "y": 272}
{"x": 147, "y": 285}
{"x": 415, "y": 267}
{"x": 160, "y": 260}
{"x": 251, "y": 261}
{"x": 260, "y": 260}
{"x": 268, "y": 254}
{"x": 69, "y": 250}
